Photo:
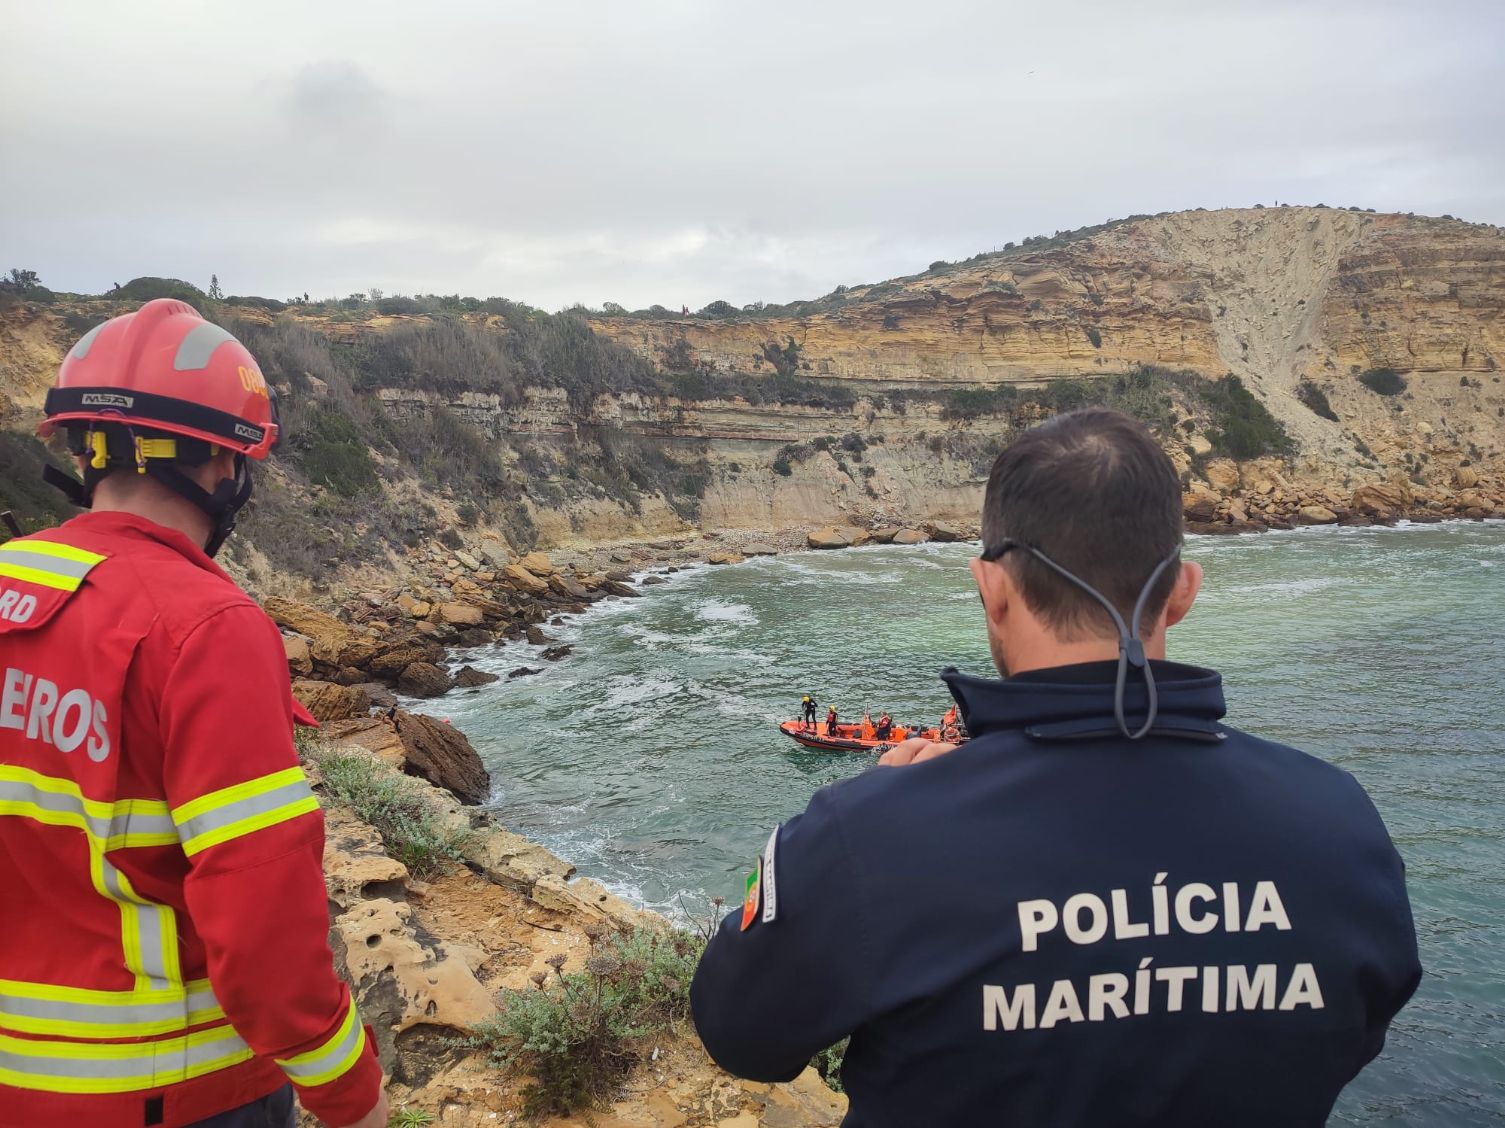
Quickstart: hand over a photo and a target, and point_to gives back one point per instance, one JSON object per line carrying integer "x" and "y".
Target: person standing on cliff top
{"x": 164, "y": 959}
{"x": 1108, "y": 908}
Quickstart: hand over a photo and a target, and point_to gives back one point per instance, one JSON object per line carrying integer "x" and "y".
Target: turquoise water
{"x": 649, "y": 757}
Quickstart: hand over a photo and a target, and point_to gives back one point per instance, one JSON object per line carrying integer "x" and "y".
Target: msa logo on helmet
{"x": 250, "y": 434}
{"x": 106, "y": 399}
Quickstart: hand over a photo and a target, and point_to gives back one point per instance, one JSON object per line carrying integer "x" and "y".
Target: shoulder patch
{"x": 37, "y": 577}
{"x": 770, "y": 882}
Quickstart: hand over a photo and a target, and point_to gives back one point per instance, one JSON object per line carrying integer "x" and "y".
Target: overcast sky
{"x": 678, "y": 151}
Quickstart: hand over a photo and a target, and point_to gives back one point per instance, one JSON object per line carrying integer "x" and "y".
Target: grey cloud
{"x": 335, "y": 94}
{"x": 676, "y": 151}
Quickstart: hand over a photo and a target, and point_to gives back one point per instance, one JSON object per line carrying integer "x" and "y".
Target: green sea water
{"x": 649, "y": 757}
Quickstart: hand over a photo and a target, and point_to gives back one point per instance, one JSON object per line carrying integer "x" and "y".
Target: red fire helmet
{"x": 164, "y": 368}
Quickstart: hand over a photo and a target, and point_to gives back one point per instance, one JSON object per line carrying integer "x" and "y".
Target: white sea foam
{"x": 724, "y": 611}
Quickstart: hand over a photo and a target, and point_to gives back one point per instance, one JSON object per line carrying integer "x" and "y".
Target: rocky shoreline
{"x": 1252, "y": 497}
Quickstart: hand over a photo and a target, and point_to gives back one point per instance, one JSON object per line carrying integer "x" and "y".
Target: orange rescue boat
{"x": 860, "y": 737}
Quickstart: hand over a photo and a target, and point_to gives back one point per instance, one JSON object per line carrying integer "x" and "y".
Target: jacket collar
{"x": 1076, "y": 702}
{"x": 116, "y": 524}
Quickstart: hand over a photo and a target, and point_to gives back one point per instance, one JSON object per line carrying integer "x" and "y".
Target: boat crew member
{"x": 831, "y": 721}
{"x": 885, "y": 727}
{"x": 809, "y": 711}
{"x": 1150, "y": 918}
{"x": 165, "y": 958}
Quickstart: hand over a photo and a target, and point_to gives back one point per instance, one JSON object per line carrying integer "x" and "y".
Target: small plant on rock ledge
{"x": 578, "y": 1034}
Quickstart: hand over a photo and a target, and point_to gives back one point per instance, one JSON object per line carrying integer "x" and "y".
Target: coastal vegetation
{"x": 577, "y": 1034}
{"x": 394, "y": 805}
{"x": 1383, "y": 381}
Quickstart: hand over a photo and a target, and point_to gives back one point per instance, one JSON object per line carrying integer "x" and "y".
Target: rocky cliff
{"x": 1369, "y": 347}
{"x": 1277, "y": 296}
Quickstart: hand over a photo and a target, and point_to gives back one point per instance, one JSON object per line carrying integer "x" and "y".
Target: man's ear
{"x": 1184, "y": 594}
{"x": 994, "y": 585}
{"x": 219, "y": 467}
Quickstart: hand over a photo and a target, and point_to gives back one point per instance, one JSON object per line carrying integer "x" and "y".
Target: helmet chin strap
{"x": 222, "y": 506}
{"x": 1130, "y": 645}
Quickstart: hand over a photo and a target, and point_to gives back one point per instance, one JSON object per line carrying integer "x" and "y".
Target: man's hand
{"x": 912, "y": 751}
{"x": 377, "y": 1117}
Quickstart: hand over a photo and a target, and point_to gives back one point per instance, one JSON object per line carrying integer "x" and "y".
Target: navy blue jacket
{"x": 1053, "y": 926}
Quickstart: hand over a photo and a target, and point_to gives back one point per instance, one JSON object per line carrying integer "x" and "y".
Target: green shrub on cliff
{"x": 1241, "y": 426}
{"x": 146, "y": 288}
{"x": 1315, "y": 399}
{"x": 1383, "y": 381}
{"x": 578, "y": 1034}
{"x": 395, "y": 807}
{"x": 34, "y": 503}
{"x": 335, "y": 455}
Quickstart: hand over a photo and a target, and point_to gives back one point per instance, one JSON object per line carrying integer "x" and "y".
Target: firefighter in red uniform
{"x": 163, "y": 954}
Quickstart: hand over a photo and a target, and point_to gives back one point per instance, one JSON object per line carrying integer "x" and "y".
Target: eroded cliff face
{"x": 1300, "y": 303}
{"x": 1276, "y": 296}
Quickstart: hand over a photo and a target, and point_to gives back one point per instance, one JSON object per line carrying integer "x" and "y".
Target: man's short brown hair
{"x": 1093, "y": 491}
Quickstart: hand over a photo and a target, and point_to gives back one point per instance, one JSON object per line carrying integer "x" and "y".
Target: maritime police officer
{"x": 1107, "y": 907}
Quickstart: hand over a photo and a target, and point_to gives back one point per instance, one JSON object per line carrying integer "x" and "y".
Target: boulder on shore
{"x": 329, "y": 641}
{"x": 300, "y": 662}
{"x": 468, "y": 677}
{"x": 946, "y": 534}
{"x": 460, "y": 614}
{"x": 1200, "y": 503}
{"x": 1384, "y": 501}
{"x": 330, "y": 702}
{"x": 518, "y": 577}
{"x": 539, "y": 564}
{"x": 726, "y": 558}
{"x": 1316, "y": 515}
{"x": 909, "y": 536}
{"x": 833, "y": 536}
{"x": 402, "y": 653}
{"x": 424, "y": 679}
{"x": 440, "y": 754}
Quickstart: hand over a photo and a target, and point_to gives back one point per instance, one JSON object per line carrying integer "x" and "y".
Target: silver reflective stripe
{"x": 122, "y": 824}
{"x": 86, "y": 342}
{"x": 44, "y": 562}
{"x": 232, "y": 813}
{"x": 149, "y": 1063}
{"x": 198, "y": 346}
{"x": 316, "y": 1067}
{"x": 109, "y": 1014}
{"x": 144, "y": 923}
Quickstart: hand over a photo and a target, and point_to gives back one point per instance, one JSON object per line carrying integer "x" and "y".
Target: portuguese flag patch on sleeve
{"x": 754, "y": 888}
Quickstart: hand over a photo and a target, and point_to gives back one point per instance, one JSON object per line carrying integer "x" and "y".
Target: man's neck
{"x": 151, "y": 500}
{"x": 1047, "y": 654}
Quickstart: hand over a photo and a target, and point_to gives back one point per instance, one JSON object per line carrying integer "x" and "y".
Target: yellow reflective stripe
{"x": 227, "y": 795}
{"x": 124, "y": 824}
{"x": 331, "y": 1060}
{"x": 46, "y": 563}
{"x": 53, "y": 548}
{"x": 102, "y": 1067}
{"x": 44, "y": 1008}
{"x": 250, "y": 824}
{"x": 148, "y": 931}
{"x": 233, "y": 812}
{"x": 37, "y": 576}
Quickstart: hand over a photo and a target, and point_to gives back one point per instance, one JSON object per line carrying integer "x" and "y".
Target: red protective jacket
{"x": 163, "y": 935}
